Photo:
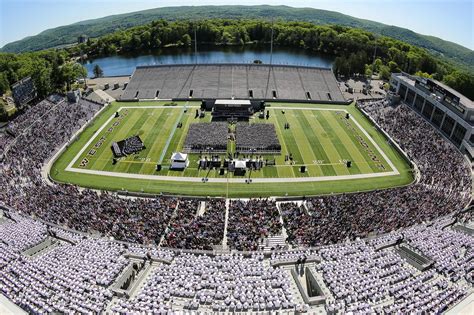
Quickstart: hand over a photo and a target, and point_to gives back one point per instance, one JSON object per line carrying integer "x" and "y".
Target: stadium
{"x": 410, "y": 233}
{"x": 237, "y": 188}
{"x": 321, "y": 145}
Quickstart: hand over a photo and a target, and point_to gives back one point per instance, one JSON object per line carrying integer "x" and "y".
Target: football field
{"x": 321, "y": 138}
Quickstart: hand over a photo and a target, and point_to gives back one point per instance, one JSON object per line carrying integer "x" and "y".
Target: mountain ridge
{"x": 64, "y": 35}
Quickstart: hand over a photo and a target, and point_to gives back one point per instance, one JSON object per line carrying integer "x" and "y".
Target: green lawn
{"x": 320, "y": 139}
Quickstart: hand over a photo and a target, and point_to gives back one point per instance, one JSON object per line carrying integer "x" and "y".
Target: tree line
{"x": 354, "y": 50}
{"x": 51, "y": 70}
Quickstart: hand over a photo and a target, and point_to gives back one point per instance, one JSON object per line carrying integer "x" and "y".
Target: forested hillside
{"x": 352, "y": 48}
{"x": 93, "y": 28}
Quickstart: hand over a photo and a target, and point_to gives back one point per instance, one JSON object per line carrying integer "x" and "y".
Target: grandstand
{"x": 234, "y": 81}
{"x": 448, "y": 110}
{"x": 23, "y": 91}
{"x": 64, "y": 249}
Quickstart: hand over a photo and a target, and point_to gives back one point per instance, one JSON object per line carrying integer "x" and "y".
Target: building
{"x": 240, "y": 166}
{"x": 74, "y": 96}
{"x": 179, "y": 161}
{"x": 82, "y": 39}
{"x": 448, "y": 110}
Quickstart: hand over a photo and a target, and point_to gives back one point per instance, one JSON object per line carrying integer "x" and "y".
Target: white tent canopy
{"x": 179, "y": 160}
{"x": 240, "y": 164}
{"x": 178, "y": 156}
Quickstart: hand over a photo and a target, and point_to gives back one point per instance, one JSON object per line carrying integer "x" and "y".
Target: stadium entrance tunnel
{"x": 131, "y": 277}
{"x": 308, "y": 285}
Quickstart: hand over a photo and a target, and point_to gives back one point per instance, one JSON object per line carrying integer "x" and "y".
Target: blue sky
{"x": 450, "y": 20}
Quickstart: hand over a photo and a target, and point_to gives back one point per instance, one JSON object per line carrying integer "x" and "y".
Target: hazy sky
{"x": 448, "y": 19}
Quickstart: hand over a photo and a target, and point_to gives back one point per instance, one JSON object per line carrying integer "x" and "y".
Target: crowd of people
{"x": 75, "y": 274}
{"x": 444, "y": 186}
{"x": 206, "y": 137}
{"x": 364, "y": 279}
{"x": 193, "y": 230}
{"x": 37, "y": 137}
{"x": 452, "y": 252}
{"x": 66, "y": 278}
{"x": 256, "y": 138}
{"x": 252, "y": 221}
{"x": 131, "y": 145}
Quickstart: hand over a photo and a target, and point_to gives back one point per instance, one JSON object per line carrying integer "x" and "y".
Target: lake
{"x": 125, "y": 64}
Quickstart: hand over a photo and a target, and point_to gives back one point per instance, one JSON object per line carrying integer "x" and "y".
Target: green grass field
{"x": 320, "y": 137}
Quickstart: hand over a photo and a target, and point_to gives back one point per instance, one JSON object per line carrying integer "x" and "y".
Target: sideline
{"x": 232, "y": 180}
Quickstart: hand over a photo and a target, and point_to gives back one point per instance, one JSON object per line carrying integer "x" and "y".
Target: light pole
{"x": 373, "y": 64}
{"x": 195, "y": 44}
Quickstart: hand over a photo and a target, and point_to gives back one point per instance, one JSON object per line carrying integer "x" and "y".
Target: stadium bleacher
{"x": 357, "y": 274}
{"x": 229, "y": 81}
{"x": 23, "y": 91}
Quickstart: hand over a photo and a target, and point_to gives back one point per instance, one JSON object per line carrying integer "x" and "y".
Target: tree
{"x": 341, "y": 66}
{"x": 98, "y": 72}
{"x": 226, "y": 38}
{"x": 377, "y": 64}
{"x": 3, "y": 112}
{"x": 384, "y": 73}
{"x": 368, "y": 71}
{"x": 4, "y": 85}
{"x": 427, "y": 64}
{"x": 393, "y": 67}
{"x": 70, "y": 72}
{"x": 157, "y": 43}
{"x": 42, "y": 80}
{"x": 423, "y": 74}
{"x": 145, "y": 39}
{"x": 186, "y": 39}
{"x": 462, "y": 82}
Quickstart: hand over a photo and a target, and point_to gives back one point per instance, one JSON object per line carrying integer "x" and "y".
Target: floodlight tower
{"x": 195, "y": 44}
{"x": 271, "y": 60}
{"x": 271, "y": 45}
{"x": 373, "y": 64}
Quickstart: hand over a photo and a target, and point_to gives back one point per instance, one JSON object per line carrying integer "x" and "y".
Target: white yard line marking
{"x": 377, "y": 147}
{"x": 97, "y": 133}
{"x": 69, "y": 167}
{"x": 170, "y": 137}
